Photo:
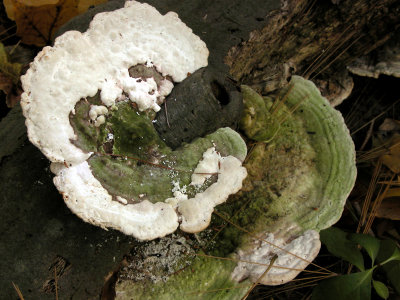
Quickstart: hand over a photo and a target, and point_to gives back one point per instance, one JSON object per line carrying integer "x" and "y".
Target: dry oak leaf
{"x": 5, "y": 83}
{"x": 9, "y": 78}
{"x": 392, "y": 157}
{"x": 390, "y": 208}
{"x": 38, "y": 20}
{"x": 10, "y": 70}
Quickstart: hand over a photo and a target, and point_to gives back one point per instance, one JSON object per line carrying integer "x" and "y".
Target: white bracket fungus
{"x": 81, "y": 64}
{"x": 86, "y": 197}
{"x": 293, "y": 257}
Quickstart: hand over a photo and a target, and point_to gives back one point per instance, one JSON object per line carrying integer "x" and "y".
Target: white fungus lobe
{"x": 207, "y": 166}
{"x": 81, "y": 64}
{"x": 86, "y": 197}
{"x": 96, "y": 114}
{"x": 292, "y": 257}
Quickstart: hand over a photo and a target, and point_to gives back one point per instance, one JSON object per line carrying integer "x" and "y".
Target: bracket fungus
{"x": 90, "y": 102}
{"x": 384, "y": 60}
{"x": 301, "y": 169}
{"x": 95, "y": 106}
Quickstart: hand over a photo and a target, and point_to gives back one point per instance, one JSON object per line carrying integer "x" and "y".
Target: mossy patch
{"x": 205, "y": 278}
{"x": 130, "y": 160}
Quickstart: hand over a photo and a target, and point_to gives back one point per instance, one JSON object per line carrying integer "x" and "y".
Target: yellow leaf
{"x": 393, "y": 192}
{"x": 38, "y": 20}
{"x": 10, "y": 6}
{"x": 8, "y": 69}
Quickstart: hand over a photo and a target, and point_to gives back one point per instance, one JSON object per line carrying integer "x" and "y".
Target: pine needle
{"x": 268, "y": 242}
{"x": 21, "y": 297}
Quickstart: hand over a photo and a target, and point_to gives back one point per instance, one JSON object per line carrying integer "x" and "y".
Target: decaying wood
{"x": 312, "y": 38}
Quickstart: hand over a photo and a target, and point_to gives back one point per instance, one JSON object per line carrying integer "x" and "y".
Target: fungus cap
{"x": 84, "y": 85}
{"x": 384, "y": 60}
{"x": 293, "y": 256}
{"x": 80, "y": 64}
{"x": 85, "y": 196}
{"x": 88, "y": 199}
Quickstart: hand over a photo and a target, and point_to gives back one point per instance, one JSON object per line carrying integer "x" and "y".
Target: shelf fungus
{"x": 301, "y": 168}
{"x": 140, "y": 138}
{"x": 384, "y": 60}
{"x": 90, "y": 103}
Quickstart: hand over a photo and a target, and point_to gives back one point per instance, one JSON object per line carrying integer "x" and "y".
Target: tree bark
{"x": 312, "y": 38}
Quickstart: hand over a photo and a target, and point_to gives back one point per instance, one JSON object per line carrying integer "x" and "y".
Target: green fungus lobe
{"x": 300, "y": 171}
{"x": 131, "y": 161}
{"x": 305, "y": 164}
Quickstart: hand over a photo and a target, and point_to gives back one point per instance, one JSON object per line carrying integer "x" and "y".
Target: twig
{"x": 368, "y": 136}
{"x": 269, "y": 243}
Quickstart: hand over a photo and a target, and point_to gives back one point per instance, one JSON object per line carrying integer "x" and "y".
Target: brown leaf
{"x": 392, "y": 157}
{"x": 38, "y": 20}
{"x": 7, "y": 68}
{"x": 390, "y": 208}
{"x": 389, "y": 125}
{"x": 12, "y": 91}
{"x": 10, "y": 5}
{"x": 13, "y": 97}
{"x": 9, "y": 78}
{"x": 5, "y": 83}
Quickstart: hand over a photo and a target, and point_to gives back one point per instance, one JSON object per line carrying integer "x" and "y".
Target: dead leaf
{"x": 9, "y": 78}
{"x": 392, "y": 157}
{"x": 14, "y": 96}
{"x": 5, "y": 83}
{"x": 10, "y": 5}
{"x": 390, "y": 208}
{"x": 7, "y": 68}
{"x": 12, "y": 91}
{"x": 390, "y": 125}
{"x": 38, "y": 20}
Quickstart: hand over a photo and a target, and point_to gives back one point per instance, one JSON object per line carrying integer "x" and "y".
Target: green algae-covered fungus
{"x": 132, "y": 167}
{"x": 126, "y": 145}
{"x": 90, "y": 103}
{"x": 301, "y": 169}
{"x": 309, "y": 167}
